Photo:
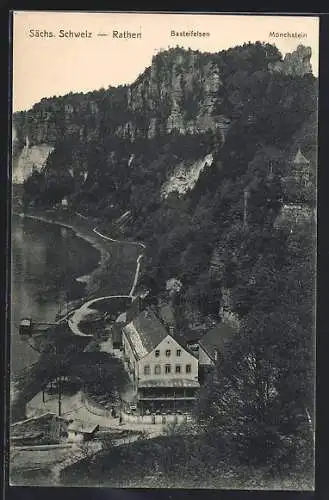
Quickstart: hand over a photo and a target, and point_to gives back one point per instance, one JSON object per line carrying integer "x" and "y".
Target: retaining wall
{"x": 95, "y": 408}
{"x": 155, "y": 419}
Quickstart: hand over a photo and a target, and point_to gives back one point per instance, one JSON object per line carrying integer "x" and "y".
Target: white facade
{"x": 75, "y": 436}
{"x": 168, "y": 360}
{"x": 204, "y": 358}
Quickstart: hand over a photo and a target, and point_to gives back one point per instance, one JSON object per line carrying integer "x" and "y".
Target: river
{"x": 46, "y": 259}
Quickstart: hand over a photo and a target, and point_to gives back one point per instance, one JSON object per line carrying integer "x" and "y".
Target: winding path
{"x": 75, "y": 317}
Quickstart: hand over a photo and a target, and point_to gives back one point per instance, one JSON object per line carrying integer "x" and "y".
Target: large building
{"x": 164, "y": 374}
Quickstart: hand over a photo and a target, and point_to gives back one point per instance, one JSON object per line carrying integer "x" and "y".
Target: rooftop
{"x": 145, "y": 332}
{"x": 83, "y": 427}
{"x": 217, "y": 339}
{"x": 300, "y": 158}
{"x": 122, "y": 318}
{"x": 26, "y": 322}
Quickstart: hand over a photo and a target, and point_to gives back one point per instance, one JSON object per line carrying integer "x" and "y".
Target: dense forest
{"x": 240, "y": 240}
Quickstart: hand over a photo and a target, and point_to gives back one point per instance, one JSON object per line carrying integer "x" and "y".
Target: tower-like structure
{"x": 301, "y": 168}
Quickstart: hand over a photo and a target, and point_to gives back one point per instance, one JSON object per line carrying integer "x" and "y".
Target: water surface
{"x": 46, "y": 259}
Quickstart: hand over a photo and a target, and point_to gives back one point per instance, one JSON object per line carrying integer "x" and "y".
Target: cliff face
{"x": 182, "y": 91}
{"x": 178, "y": 93}
{"x": 29, "y": 159}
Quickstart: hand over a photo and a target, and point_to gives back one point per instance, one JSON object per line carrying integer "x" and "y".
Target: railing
{"x": 156, "y": 419}
{"x": 96, "y": 408}
{"x": 165, "y": 396}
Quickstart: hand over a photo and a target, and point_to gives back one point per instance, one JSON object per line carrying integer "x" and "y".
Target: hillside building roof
{"x": 82, "y": 427}
{"x": 144, "y": 333}
{"x": 300, "y": 158}
{"x": 216, "y": 339}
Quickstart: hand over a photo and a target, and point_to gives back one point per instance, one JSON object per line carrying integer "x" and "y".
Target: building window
{"x": 178, "y": 352}
{"x": 147, "y": 370}
{"x": 177, "y": 369}
{"x": 168, "y": 352}
{"x": 167, "y": 368}
{"x": 157, "y": 369}
{"x": 157, "y": 353}
{"x": 188, "y": 368}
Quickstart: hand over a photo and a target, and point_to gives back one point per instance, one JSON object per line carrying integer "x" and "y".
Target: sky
{"x": 44, "y": 66}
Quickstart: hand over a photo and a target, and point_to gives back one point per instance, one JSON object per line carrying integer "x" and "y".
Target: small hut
{"x": 79, "y": 430}
{"x": 25, "y": 327}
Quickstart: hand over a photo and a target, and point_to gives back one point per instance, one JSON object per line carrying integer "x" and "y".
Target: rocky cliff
{"x": 182, "y": 91}
{"x": 297, "y": 63}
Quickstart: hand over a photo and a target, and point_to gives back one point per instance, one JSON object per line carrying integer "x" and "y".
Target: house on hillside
{"x": 79, "y": 430}
{"x": 47, "y": 428}
{"x": 164, "y": 374}
{"x": 212, "y": 346}
{"x": 300, "y": 168}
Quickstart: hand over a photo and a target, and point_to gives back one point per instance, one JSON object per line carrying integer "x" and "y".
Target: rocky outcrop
{"x": 185, "y": 176}
{"x": 30, "y": 158}
{"x": 297, "y": 63}
{"x": 178, "y": 93}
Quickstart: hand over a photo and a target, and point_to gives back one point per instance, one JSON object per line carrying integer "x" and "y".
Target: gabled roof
{"x": 122, "y": 318}
{"x": 216, "y": 339}
{"x": 300, "y": 158}
{"x": 144, "y": 333}
{"x": 83, "y": 427}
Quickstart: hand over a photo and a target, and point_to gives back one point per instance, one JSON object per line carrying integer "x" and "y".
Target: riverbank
{"x": 81, "y": 228}
{"x": 112, "y": 253}
{"x": 116, "y": 273}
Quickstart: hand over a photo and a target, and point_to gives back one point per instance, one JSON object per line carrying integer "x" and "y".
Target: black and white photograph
{"x": 163, "y": 250}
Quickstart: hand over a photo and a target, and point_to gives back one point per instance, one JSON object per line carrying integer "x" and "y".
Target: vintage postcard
{"x": 163, "y": 250}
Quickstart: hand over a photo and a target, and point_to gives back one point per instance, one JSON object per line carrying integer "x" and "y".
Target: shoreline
{"x": 15, "y": 394}
{"x": 100, "y": 242}
{"x": 104, "y": 252}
